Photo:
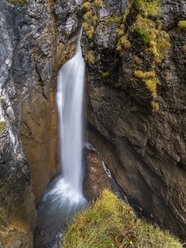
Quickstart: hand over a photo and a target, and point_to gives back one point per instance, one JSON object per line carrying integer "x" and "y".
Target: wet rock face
{"x": 96, "y": 178}
{"x": 32, "y": 48}
{"x": 144, "y": 148}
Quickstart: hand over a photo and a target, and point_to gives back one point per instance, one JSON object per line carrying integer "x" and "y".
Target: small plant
{"x": 150, "y": 79}
{"x": 105, "y": 74}
{"x": 98, "y": 3}
{"x": 94, "y": 20}
{"x": 137, "y": 60}
{"x": 182, "y": 25}
{"x": 116, "y": 19}
{"x": 120, "y": 32}
{"x": 90, "y": 33}
{"x": 144, "y": 75}
{"x": 86, "y": 6}
{"x": 155, "y": 106}
{"x": 125, "y": 43}
{"x": 85, "y": 26}
{"x": 90, "y": 58}
{"x": 3, "y": 223}
{"x": 184, "y": 48}
{"x": 149, "y": 8}
{"x": 2, "y": 125}
{"x": 87, "y": 17}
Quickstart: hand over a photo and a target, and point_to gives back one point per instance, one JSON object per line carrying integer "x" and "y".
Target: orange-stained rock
{"x": 96, "y": 179}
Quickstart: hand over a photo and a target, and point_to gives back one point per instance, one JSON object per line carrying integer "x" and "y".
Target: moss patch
{"x": 142, "y": 31}
{"x": 18, "y": 1}
{"x": 3, "y": 223}
{"x": 98, "y": 3}
{"x": 110, "y": 222}
{"x": 90, "y": 58}
{"x": 86, "y": 6}
{"x": 2, "y": 125}
{"x": 182, "y": 25}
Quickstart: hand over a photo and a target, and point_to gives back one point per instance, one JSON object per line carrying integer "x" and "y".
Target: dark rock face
{"x": 144, "y": 150}
{"x": 96, "y": 178}
{"x": 33, "y": 44}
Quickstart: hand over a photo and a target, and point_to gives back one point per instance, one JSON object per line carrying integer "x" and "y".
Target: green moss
{"x": 105, "y": 74}
{"x": 147, "y": 8}
{"x": 184, "y": 48}
{"x": 150, "y": 79}
{"x": 120, "y": 32}
{"x": 85, "y": 26}
{"x": 63, "y": 1}
{"x": 86, "y": 6}
{"x": 182, "y": 25}
{"x": 98, "y": 3}
{"x": 116, "y": 19}
{"x": 90, "y": 33}
{"x": 3, "y": 222}
{"x": 125, "y": 42}
{"x": 2, "y": 125}
{"x": 90, "y": 58}
{"x": 102, "y": 26}
{"x": 87, "y": 17}
{"x": 141, "y": 30}
{"x": 155, "y": 108}
{"x": 110, "y": 222}
{"x": 137, "y": 60}
{"x": 143, "y": 75}
{"x": 18, "y": 1}
{"x": 127, "y": 11}
{"x": 94, "y": 20}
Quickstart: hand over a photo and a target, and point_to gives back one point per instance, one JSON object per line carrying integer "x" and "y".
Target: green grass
{"x": 110, "y": 222}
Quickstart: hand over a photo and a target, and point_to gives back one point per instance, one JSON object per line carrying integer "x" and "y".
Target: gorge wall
{"x": 36, "y": 38}
{"x": 136, "y": 101}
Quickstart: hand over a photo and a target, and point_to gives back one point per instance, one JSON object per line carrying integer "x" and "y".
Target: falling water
{"x": 69, "y": 100}
{"x": 64, "y": 195}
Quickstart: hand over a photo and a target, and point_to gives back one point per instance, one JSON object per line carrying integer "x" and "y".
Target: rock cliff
{"x": 35, "y": 40}
{"x": 136, "y": 101}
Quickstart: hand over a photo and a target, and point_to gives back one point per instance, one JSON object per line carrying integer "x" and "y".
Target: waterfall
{"x": 63, "y": 195}
{"x": 69, "y": 99}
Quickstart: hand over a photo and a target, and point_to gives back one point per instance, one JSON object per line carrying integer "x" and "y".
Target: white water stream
{"x": 64, "y": 195}
{"x": 69, "y": 98}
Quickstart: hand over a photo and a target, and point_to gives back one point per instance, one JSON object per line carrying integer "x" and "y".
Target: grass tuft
{"x": 110, "y": 222}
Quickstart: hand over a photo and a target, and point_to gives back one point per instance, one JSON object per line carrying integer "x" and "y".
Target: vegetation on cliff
{"x": 110, "y": 222}
{"x": 145, "y": 31}
{"x": 18, "y": 1}
{"x": 2, "y": 125}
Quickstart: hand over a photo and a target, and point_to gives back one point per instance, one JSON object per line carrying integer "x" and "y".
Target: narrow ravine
{"x": 64, "y": 195}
